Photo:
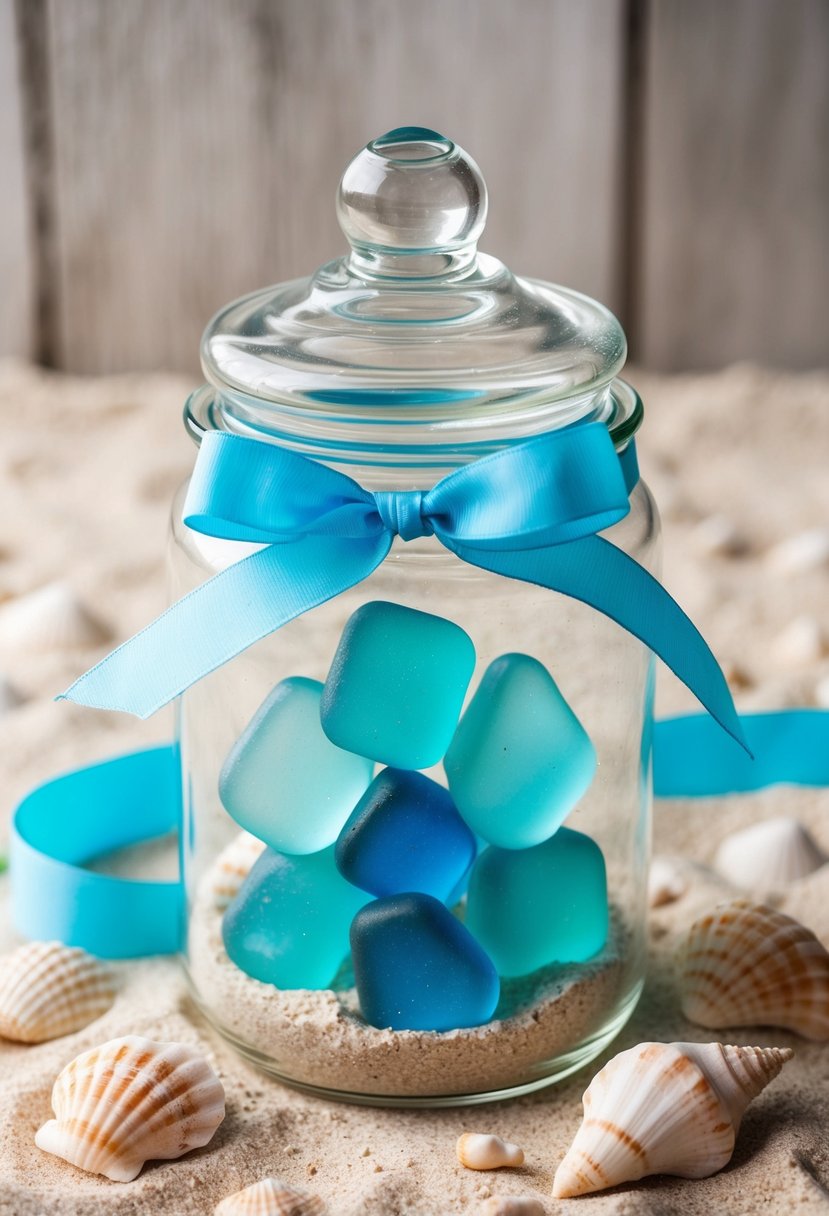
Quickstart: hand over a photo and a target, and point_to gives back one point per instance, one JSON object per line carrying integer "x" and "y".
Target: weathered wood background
{"x": 159, "y": 157}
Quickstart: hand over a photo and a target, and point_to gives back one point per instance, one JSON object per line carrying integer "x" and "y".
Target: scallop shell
{"x": 664, "y": 1108}
{"x": 233, "y": 866}
{"x": 666, "y": 882}
{"x": 749, "y": 965}
{"x": 130, "y": 1101}
{"x": 47, "y": 990}
{"x": 483, "y": 1152}
{"x": 768, "y": 855}
{"x": 51, "y": 618}
{"x": 270, "y": 1197}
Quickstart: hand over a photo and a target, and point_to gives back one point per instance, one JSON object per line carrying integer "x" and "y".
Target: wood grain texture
{"x": 198, "y": 146}
{"x": 16, "y": 283}
{"x": 735, "y": 198}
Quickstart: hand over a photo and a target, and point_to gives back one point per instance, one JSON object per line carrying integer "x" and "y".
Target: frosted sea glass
{"x": 405, "y": 835}
{"x": 520, "y": 759}
{"x": 397, "y": 684}
{"x": 417, "y": 968}
{"x": 284, "y": 780}
{"x": 288, "y": 925}
{"x": 548, "y": 904}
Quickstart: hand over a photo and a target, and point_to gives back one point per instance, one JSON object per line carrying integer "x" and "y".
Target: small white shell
{"x": 485, "y": 1152}
{"x": 51, "y": 618}
{"x": 270, "y": 1197}
{"x": 768, "y": 855}
{"x": 799, "y": 553}
{"x": 801, "y": 643}
{"x": 664, "y": 1108}
{"x": 666, "y": 882}
{"x": 749, "y": 965}
{"x": 48, "y": 990}
{"x": 513, "y": 1205}
{"x": 233, "y": 866}
{"x": 129, "y": 1101}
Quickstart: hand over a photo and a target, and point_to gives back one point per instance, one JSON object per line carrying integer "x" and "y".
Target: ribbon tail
{"x": 597, "y": 573}
{"x": 224, "y": 616}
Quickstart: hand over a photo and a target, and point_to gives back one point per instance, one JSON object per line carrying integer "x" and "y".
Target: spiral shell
{"x": 129, "y": 1101}
{"x": 270, "y": 1197}
{"x": 233, "y": 866}
{"x": 768, "y": 855}
{"x": 748, "y": 965}
{"x": 47, "y": 990}
{"x": 664, "y": 1108}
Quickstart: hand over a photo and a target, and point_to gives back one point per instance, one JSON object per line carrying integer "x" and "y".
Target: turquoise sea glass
{"x": 397, "y": 684}
{"x": 417, "y": 968}
{"x": 284, "y": 780}
{"x": 405, "y": 835}
{"x": 548, "y": 904}
{"x": 288, "y": 924}
{"x": 520, "y": 759}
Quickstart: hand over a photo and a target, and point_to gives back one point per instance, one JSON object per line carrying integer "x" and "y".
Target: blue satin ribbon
{"x": 530, "y": 512}
{"x": 63, "y": 825}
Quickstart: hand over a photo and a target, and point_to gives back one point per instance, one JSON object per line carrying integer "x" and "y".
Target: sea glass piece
{"x": 284, "y": 780}
{"x": 288, "y": 925}
{"x": 417, "y": 968}
{"x": 405, "y": 835}
{"x": 548, "y": 904}
{"x": 520, "y": 759}
{"x": 397, "y": 684}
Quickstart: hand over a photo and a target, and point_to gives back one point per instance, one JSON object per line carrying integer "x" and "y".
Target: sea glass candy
{"x": 405, "y": 835}
{"x": 417, "y": 968}
{"x": 284, "y": 780}
{"x": 288, "y": 925}
{"x": 548, "y": 904}
{"x": 520, "y": 759}
{"x": 397, "y": 684}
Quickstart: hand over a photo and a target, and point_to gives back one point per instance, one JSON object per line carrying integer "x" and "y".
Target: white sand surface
{"x": 87, "y": 472}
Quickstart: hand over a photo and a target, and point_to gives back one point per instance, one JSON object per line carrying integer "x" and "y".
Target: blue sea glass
{"x": 288, "y": 924}
{"x": 548, "y": 904}
{"x": 405, "y": 835}
{"x": 417, "y": 968}
{"x": 520, "y": 759}
{"x": 284, "y": 780}
{"x": 397, "y": 684}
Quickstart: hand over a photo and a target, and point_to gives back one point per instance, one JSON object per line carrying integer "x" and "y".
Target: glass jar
{"x": 410, "y": 357}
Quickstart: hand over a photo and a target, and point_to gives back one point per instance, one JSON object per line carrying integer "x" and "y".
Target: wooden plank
{"x": 198, "y": 145}
{"x": 735, "y": 220}
{"x": 16, "y": 295}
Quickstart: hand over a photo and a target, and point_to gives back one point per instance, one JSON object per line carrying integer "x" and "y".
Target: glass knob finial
{"x": 411, "y": 193}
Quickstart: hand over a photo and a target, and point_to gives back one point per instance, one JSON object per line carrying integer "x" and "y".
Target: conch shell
{"x": 768, "y": 855}
{"x": 129, "y": 1101}
{"x": 233, "y": 866}
{"x": 47, "y": 990}
{"x": 664, "y": 1108}
{"x": 483, "y": 1152}
{"x": 749, "y": 965}
{"x": 270, "y": 1197}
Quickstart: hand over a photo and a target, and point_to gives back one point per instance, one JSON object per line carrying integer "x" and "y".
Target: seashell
{"x": 804, "y": 551}
{"x": 270, "y": 1197}
{"x": 717, "y": 536}
{"x": 130, "y": 1101}
{"x": 749, "y": 965}
{"x": 10, "y": 697}
{"x": 51, "y": 618}
{"x": 47, "y": 990}
{"x": 513, "y": 1205}
{"x": 233, "y": 866}
{"x": 664, "y": 1108}
{"x": 482, "y": 1152}
{"x": 666, "y": 882}
{"x": 768, "y": 855}
{"x": 801, "y": 643}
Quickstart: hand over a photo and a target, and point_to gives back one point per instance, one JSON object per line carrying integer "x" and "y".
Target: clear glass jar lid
{"x": 414, "y": 318}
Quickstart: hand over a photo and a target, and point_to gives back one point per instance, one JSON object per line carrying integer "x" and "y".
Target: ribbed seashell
{"x": 233, "y": 866}
{"x": 749, "y": 965}
{"x": 270, "y": 1197}
{"x": 768, "y": 855}
{"x": 47, "y": 990}
{"x": 129, "y": 1101}
{"x": 485, "y": 1152}
{"x": 52, "y": 618}
{"x": 664, "y": 1108}
{"x": 666, "y": 882}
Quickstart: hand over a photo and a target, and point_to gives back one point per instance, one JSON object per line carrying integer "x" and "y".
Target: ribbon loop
{"x": 401, "y": 513}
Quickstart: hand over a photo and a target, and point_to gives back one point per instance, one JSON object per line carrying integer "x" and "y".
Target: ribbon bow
{"x": 530, "y": 512}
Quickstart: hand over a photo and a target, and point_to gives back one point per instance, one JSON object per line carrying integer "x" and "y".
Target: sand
{"x": 745, "y": 445}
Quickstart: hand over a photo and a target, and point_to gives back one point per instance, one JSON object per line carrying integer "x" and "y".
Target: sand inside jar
{"x": 319, "y": 1038}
